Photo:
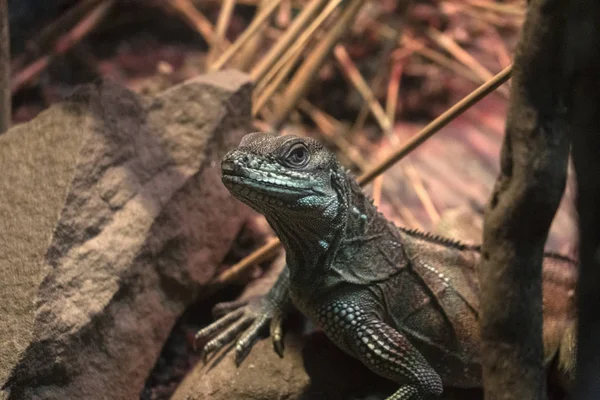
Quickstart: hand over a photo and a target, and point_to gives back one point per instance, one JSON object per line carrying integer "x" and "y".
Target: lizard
{"x": 402, "y": 301}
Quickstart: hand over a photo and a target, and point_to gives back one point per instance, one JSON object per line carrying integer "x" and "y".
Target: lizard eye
{"x": 297, "y": 156}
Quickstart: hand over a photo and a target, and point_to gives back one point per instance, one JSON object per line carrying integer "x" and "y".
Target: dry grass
{"x": 304, "y": 42}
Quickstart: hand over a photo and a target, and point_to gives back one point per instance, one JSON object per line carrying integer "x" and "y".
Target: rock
{"x": 312, "y": 369}
{"x": 112, "y": 220}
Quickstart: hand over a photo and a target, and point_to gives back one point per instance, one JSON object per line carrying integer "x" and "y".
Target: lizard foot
{"x": 249, "y": 319}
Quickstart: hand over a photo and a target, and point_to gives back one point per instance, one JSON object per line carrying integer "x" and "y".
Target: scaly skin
{"x": 403, "y": 302}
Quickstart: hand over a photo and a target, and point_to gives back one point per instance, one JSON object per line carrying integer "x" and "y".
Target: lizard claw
{"x": 276, "y": 330}
{"x": 278, "y": 346}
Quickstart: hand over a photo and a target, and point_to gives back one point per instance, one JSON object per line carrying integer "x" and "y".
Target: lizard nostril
{"x": 228, "y": 166}
{"x": 245, "y": 159}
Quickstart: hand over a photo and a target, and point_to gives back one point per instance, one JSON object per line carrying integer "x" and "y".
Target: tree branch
{"x": 525, "y": 198}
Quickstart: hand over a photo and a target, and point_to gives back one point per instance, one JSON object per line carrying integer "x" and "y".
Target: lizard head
{"x": 282, "y": 174}
{"x": 295, "y": 182}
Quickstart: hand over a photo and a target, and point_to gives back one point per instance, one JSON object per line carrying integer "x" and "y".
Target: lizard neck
{"x": 312, "y": 243}
{"x": 362, "y": 213}
{"x": 306, "y": 242}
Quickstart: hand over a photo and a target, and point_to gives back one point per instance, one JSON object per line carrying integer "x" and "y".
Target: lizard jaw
{"x": 254, "y": 185}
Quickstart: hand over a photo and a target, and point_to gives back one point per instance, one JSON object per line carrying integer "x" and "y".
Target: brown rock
{"x": 112, "y": 218}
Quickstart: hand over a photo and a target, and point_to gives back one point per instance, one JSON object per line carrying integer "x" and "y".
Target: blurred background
{"x": 390, "y": 73}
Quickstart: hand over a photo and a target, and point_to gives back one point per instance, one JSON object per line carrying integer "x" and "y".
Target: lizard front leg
{"x": 380, "y": 347}
{"x": 249, "y": 319}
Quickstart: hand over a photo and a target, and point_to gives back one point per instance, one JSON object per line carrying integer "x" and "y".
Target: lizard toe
{"x": 250, "y": 336}
{"x": 217, "y": 326}
{"x": 226, "y": 336}
{"x": 226, "y": 307}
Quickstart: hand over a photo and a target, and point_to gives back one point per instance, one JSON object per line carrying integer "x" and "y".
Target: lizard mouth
{"x": 262, "y": 184}
{"x": 236, "y": 174}
{"x": 254, "y": 186}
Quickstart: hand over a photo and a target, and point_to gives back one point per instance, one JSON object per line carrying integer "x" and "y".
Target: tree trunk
{"x": 525, "y": 198}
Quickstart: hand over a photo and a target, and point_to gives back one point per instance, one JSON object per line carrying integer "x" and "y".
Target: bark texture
{"x": 524, "y": 200}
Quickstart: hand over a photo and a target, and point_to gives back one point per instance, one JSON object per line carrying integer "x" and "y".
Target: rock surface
{"x": 112, "y": 218}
